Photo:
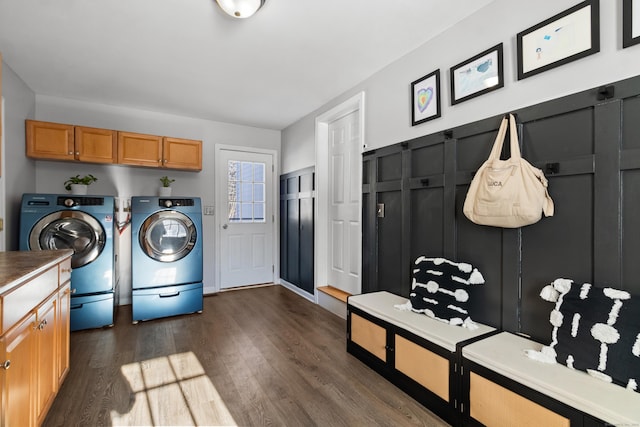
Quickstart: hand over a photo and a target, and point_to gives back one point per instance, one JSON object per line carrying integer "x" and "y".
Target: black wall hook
{"x": 606, "y": 92}
{"x": 552, "y": 168}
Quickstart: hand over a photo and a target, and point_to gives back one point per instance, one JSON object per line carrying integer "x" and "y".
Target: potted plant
{"x": 78, "y": 185}
{"x": 165, "y": 190}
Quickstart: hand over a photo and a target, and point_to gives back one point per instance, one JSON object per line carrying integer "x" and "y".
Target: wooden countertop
{"x": 18, "y": 266}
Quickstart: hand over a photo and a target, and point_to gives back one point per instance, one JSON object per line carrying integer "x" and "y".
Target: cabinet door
{"x": 95, "y": 145}
{"x": 63, "y": 328}
{"x": 423, "y": 366}
{"x": 140, "y": 150}
{"x": 17, "y": 350}
{"x": 494, "y": 405}
{"x": 49, "y": 140}
{"x": 182, "y": 154}
{"x": 46, "y": 363}
{"x": 369, "y": 336}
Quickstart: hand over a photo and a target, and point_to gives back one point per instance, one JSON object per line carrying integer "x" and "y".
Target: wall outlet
{"x": 208, "y": 210}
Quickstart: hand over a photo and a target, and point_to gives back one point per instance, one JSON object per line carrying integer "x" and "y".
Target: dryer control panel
{"x": 167, "y": 203}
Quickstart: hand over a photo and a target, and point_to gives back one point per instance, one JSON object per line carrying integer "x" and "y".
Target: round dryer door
{"x": 167, "y": 236}
{"x": 74, "y": 230}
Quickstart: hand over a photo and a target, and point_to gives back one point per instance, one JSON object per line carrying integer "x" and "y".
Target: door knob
{"x": 225, "y": 226}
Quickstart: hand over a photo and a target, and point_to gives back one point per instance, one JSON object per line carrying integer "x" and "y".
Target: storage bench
{"x": 418, "y": 354}
{"x": 502, "y": 386}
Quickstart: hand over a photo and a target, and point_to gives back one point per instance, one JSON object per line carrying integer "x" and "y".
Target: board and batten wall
{"x": 388, "y": 98}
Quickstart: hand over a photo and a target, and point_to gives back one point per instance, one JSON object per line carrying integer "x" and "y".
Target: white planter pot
{"x": 164, "y": 191}
{"x": 80, "y": 189}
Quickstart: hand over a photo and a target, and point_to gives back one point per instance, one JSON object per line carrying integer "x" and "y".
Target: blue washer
{"x": 166, "y": 256}
{"x": 84, "y": 224}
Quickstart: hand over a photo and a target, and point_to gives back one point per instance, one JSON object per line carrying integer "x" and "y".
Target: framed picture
{"x": 630, "y": 22}
{"x": 477, "y": 76}
{"x": 565, "y": 37}
{"x": 425, "y": 98}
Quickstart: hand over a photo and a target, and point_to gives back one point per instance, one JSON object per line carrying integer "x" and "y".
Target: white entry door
{"x": 245, "y": 218}
{"x": 344, "y": 213}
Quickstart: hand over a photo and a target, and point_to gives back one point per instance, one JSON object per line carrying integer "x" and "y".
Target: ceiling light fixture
{"x": 240, "y": 8}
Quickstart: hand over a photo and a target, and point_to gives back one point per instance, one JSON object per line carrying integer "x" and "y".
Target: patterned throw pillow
{"x": 439, "y": 290}
{"x": 596, "y": 330}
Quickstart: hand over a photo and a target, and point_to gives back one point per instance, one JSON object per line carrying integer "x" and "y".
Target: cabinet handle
{"x": 66, "y": 270}
{"x": 77, "y": 153}
{"x": 6, "y": 364}
{"x": 71, "y": 153}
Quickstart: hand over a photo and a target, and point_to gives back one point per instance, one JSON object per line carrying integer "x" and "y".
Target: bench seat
{"x": 504, "y": 354}
{"x": 381, "y": 305}
{"x": 418, "y": 354}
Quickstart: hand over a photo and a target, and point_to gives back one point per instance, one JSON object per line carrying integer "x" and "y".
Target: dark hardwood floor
{"x": 259, "y": 356}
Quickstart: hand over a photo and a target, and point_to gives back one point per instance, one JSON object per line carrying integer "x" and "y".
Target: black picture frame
{"x": 425, "y": 98}
{"x": 483, "y": 73}
{"x": 630, "y": 23}
{"x": 563, "y": 38}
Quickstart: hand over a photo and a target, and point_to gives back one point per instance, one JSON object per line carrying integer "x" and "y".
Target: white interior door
{"x": 245, "y": 217}
{"x": 344, "y": 212}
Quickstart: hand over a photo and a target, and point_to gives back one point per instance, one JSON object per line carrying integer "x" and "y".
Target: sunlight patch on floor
{"x": 172, "y": 390}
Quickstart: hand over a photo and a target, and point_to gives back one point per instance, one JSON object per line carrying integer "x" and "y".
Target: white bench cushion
{"x": 381, "y": 305}
{"x": 504, "y": 353}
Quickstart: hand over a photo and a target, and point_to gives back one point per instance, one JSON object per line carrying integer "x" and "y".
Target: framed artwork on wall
{"x": 563, "y": 38}
{"x": 630, "y": 22}
{"x": 478, "y": 75}
{"x": 425, "y": 98}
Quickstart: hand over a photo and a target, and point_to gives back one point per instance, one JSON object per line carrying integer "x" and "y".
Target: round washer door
{"x": 74, "y": 230}
{"x": 167, "y": 236}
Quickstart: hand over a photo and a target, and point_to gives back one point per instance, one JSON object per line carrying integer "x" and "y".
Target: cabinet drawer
{"x": 494, "y": 405}
{"x": 423, "y": 366}
{"x": 369, "y": 336}
{"x": 26, "y": 297}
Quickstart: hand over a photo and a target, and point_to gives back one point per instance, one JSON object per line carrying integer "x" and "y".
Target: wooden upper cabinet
{"x": 95, "y": 145}
{"x": 157, "y": 151}
{"x": 182, "y": 154}
{"x": 139, "y": 149}
{"x": 53, "y": 141}
{"x": 57, "y": 141}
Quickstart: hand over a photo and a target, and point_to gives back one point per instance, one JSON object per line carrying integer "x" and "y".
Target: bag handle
{"x": 497, "y": 145}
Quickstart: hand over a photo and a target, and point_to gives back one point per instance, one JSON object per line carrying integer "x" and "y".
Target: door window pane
{"x": 246, "y": 191}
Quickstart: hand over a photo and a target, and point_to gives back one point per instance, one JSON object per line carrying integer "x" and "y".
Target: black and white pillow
{"x": 596, "y": 330}
{"x": 439, "y": 290}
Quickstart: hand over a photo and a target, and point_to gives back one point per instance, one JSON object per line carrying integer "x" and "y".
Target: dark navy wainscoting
{"x": 588, "y": 145}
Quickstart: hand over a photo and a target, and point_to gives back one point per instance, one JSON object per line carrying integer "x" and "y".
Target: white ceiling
{"x": 186, "y": 57}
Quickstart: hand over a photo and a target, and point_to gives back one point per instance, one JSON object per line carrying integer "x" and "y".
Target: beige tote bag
{"x": 507, "y": 193}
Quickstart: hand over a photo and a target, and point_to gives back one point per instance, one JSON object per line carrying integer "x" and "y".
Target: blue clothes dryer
{"x": 166, "y": 256}
{"x": 85, "y": 225}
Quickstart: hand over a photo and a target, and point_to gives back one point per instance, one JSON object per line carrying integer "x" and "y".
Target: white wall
{"x": 387, "y": 109}
{"x": 19, "y": 171}
{"x": 125, "y": 181}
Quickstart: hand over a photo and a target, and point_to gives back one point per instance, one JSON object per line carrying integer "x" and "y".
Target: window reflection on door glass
{"x": 246, "y": 191}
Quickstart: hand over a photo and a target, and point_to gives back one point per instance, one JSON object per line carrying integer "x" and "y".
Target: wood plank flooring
{"x": 255, "y": 357}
